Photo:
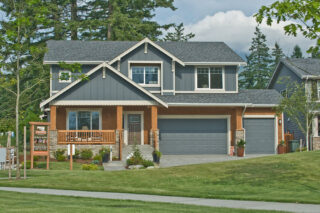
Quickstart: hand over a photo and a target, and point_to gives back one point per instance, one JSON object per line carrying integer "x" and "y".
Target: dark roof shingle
{"x": 304, "y": 66}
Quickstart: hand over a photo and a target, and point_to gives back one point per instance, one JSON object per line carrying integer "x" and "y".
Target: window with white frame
{"x": 84, "y": 120}
{"x": 145, "y": 75}
{"x": 318, "y": 89}
{"x": 64, "y": 76}
{"x": 209, "y": 78}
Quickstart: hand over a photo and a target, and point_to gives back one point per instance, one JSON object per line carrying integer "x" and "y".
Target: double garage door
{"x": 194, "y": 136}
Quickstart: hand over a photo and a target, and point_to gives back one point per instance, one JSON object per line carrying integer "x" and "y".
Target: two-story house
{"x": 179, "y": 97}
{"x": 303, "y": 71}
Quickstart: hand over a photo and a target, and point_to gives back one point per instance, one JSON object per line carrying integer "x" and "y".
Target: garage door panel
{"x": 193, "y": 136}
{"x": 260, "y": 135}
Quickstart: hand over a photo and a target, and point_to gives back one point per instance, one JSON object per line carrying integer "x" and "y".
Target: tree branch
{"x": 9, "y": 90}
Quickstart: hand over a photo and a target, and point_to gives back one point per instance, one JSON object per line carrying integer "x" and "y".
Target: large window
{"x": 84, "y": 120}
{"x": 209, "y": 78}
{"x": 145, "y": 75}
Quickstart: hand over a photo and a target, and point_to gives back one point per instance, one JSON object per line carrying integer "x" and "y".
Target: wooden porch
{"x": 84, "y": 137}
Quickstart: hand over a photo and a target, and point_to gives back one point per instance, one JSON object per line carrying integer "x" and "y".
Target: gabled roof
{"x": 104, "y": 64}
{"x": 249, "y": 97}
{"x": 96, "y": 52}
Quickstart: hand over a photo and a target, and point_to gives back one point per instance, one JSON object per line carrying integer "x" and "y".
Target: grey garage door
{"x": 193, "y": 136}
{"x": 260, "y": 135}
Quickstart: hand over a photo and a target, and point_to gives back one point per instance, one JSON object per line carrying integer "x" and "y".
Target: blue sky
{"x": 230, "y": 21}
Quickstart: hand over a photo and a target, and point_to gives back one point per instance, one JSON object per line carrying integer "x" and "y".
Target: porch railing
{"x": 86, "y": 136}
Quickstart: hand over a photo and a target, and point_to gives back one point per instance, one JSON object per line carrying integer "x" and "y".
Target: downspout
{"x": 307, "y": 126}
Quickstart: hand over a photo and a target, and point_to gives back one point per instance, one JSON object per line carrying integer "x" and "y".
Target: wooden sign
{"x": 39, "y": 140}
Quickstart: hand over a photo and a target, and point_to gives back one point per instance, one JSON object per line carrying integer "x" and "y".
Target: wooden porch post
{"x": 154, "y": 125}
{"x": 71, "y": 157}
{"x": 53, "y": 118}
{"x": 119, "y": 128}
{"x": 239, "y": 119}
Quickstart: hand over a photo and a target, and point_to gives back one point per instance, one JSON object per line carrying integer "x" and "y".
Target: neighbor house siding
{"x": 230, "y": 78}
{"x": 112, "y": 87}
{"x": 152, "y": 54}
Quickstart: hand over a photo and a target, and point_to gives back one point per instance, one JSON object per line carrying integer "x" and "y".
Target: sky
{"x": 230, "y": 21}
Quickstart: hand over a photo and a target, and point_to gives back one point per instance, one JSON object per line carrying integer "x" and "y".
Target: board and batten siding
{"x": 112, "y": 87}
{"x": 152, "y": 54}
{"x": 185, "y": 78}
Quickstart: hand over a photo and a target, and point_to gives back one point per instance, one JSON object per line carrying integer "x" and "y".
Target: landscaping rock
{"x": 135, "y": 167}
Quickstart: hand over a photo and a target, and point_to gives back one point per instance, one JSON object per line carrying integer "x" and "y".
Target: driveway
{"x": 180, "y": 160}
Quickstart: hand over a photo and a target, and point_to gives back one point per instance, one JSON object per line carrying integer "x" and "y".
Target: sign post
{"x": 25, "y": 153}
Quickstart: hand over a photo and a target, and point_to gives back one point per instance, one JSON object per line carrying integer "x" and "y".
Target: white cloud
{"x": 236, "y": 29}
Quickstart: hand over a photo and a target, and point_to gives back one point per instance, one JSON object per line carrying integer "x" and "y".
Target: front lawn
{"x": 287, "y": 178}
{"x": 21, "y": 202}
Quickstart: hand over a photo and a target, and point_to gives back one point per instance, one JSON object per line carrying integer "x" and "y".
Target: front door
{"x": 134, "y": 129}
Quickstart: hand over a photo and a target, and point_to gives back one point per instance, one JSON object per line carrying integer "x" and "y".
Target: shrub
{"x": 36, "y": 158}
{"x": 86, "y": 154}
{"x": 147, "y": 163}
{"x": 59, "y": 154}
{"x": 96, "y": 162}
{"x": 241, "y": 143}
{"x": 89, "y": 167}
{"x": 77, "y": 154}
{"x": 29, "y": 164}
{"x": 282, "y": 143}
{"x": 158, "y": 153}
{"x": 103, "y": 151}
{"x": 302, "y": 149}
{"x": 115, "y": 158}
{"x": 98, "y": 158}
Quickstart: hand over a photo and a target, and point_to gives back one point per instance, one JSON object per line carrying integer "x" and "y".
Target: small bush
{"x": 59, "y": 155}
{"x": 147, "y": 163}
{"x": 35, "y": 164}
{"x": 96, "y": 162}
{"x": 86, "y": 154}
{"x": 36, "y": 158}
{"x": 77, "y": 154}
{"x": 98, "y": 158}
{"x": 115, "y": 158}
{"x": 302, "y": 149}
{"x": 89, "y": 167}
{"x": 158, "y": 153}
{"x": 241, "y": 143}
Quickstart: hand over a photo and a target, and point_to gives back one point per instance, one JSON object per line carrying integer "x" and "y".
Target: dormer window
{"x": 145, "y": 75}
{"x": 64, "y": 76}
{"x": 209, "y": 78}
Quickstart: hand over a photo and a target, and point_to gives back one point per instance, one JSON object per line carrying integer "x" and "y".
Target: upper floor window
{"x": 145, "y": 75}
{"x": 209, "y": 78}
{"x": 64, "y": 76}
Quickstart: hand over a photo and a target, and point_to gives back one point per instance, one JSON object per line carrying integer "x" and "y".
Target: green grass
{"x": 21, "y": 202}
{"x": 285, "y": 178}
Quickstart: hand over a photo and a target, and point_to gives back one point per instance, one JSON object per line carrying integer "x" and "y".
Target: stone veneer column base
{"x": 316, "y": 143}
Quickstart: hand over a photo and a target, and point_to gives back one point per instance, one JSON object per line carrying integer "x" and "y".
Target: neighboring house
{"x": 304, "y": 71}
{"x": 179, "y": 97}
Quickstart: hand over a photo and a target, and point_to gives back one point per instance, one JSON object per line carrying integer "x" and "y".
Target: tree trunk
{"x": 74, "y": 20}
{"x": 17, "y": 120}
{"x": 109, "y": 24}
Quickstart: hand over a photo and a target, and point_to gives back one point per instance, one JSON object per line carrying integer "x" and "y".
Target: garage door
{"x": 193, "y": 136}
{"x": 260, "y": 135}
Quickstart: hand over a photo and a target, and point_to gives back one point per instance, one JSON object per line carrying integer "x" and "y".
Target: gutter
{"x": 222, "y": 104}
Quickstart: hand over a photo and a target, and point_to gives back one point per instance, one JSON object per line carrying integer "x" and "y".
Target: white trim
{"x": 174, "y": 75}
{"x": 209, "y": 78}
{"x": 151, "y": 62}
{"x": 222, "y": 104}
{"x": 216, "y": 63}
{"x": 167, "y": 90}
{"x": 83, "y": 109}
{"x": 237, "y": 80}
{"x": 65, "y": 81}
{"x": 282, "y": 125}
{"x": 155, "y": 91}
{"x": 73, "y": 62}
{"x": 93, "y": 71}
{"x": 103, "y": 103}
{"x": 50, "y": 81}
{"x": 54, "y": 91}
{"x": 118, "y": 65}
{"x": 205, "y": 91}
{"x": 126, "y": 128}
{"x": 259, "y": 116}
{"x": 146, "y": 40}
{"x": 188, "y": 116}
{"x": 145, "y": 47}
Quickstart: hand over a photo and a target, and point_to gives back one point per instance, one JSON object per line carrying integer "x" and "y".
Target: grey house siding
{"x": 112, "y": 87}
{"x": 185, "y": 78}
{"x": 285, "y": 74}
{"x": 56, "y": 86}
{"x": 230, "y": 78}
{"x": 152, "y": 54}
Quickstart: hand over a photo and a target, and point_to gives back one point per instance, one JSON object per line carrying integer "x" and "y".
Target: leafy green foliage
{"x": 277, "y": 54}
{"x": 86, "y": 154}
{"x": 305, "y": 13}
{"x": 297, "y": 53}
{"x": 97, "y": 158}
{"x": 158, "y": 153}
{"x": 258, "y": 71}
{"x": 136, "y": 158}
{"x": 89, "y": 167}
{"x": 241, "y": 143}
{"x": 147, "y": 163}
{"x": 59, "y": 155}
{"x": 178, "y": 34}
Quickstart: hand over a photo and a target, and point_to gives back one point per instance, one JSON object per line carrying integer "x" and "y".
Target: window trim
{"x": 318, "y": 89}
{"x": 84, "y": 110}
{"x": 65, "y": 81}
{"x": 209, "y": 89}
{"x": 158, "y": 64}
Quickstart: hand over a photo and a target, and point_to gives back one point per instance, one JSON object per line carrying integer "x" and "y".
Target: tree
{"x": 299, "y": 106}
{"x": 297, "y": 53}
{"x": 178, "y": 34}
{"x": 277, "y": 55}
{"x": 257, "y": 73}
{"x": 302, "y": 14}
{"x": 22, "y": 56}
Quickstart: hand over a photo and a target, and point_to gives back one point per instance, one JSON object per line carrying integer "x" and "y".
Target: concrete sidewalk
{"x": 258, "y": 205}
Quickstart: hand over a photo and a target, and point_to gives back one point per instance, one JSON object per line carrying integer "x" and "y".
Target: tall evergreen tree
{"x": 277, "y": 54}
{"x": 178, "y": 34}
{"x": 257, "y": 73}
{"x": 297, "y": 53}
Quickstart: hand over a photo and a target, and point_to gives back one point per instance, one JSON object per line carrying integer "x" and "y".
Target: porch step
{"x": 146, "y": 151}
{"x": 114, "y": 166}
